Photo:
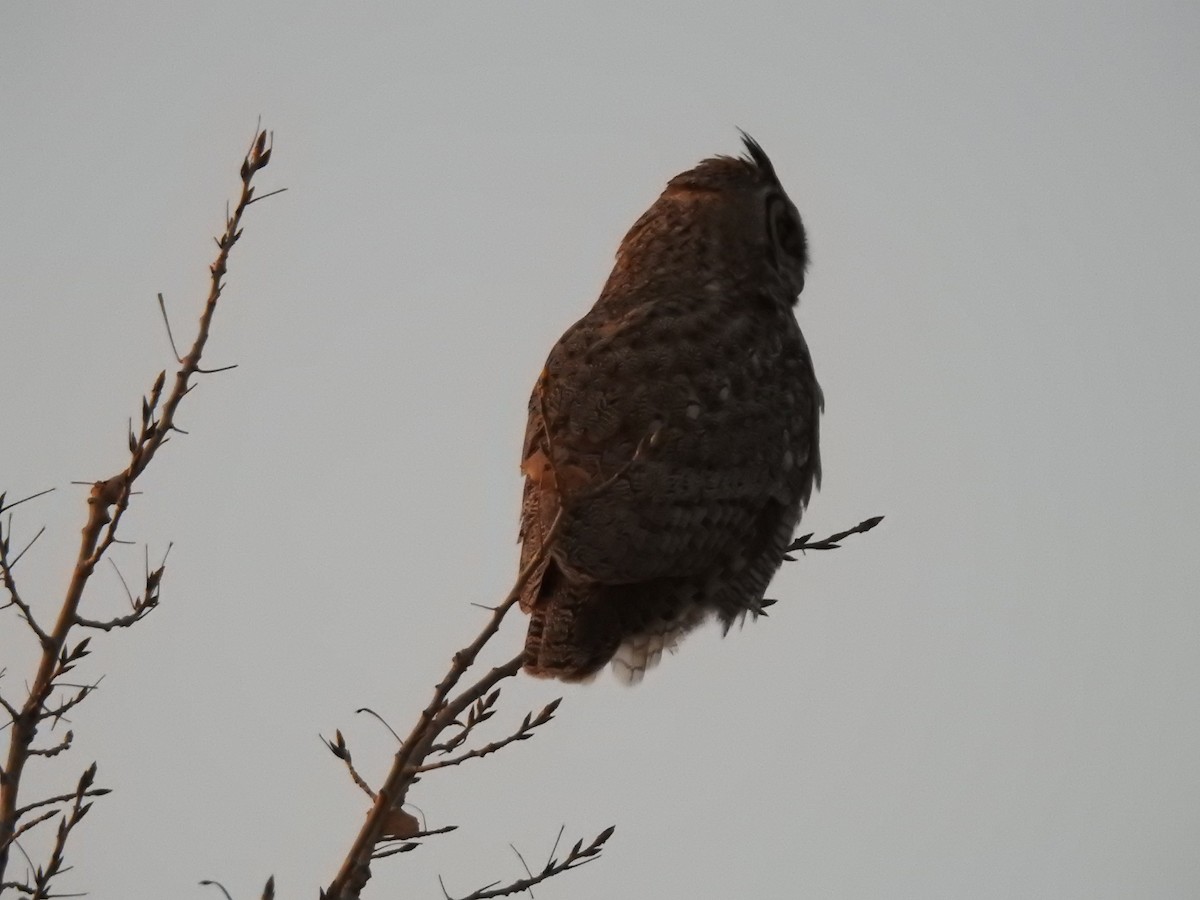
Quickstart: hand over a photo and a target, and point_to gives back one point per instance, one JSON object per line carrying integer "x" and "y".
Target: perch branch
{"x": 436, "y": 717}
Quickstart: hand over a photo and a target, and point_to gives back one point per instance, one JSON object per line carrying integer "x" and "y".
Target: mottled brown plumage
{"x": 675, "y": 425}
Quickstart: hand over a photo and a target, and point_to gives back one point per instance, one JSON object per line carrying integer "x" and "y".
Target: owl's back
{"x": 675, "y": 427}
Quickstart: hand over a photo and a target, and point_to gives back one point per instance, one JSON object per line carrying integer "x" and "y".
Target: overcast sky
{"x": 996, "y": 694}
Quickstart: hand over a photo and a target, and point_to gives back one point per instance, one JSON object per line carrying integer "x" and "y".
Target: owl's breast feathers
{"x": 680, "y": 439}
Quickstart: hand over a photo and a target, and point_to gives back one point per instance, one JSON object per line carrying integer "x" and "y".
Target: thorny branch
{"x": 106, "y": 505}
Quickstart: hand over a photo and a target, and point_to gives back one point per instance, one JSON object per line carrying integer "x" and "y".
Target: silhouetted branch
{"x": 388, "y": 830}
{"x": 380, "y": 719}
{"x": 578, "y": 856}
{"x": 207, "y": 882}
{"x": 268, "y": 892}
{"x": 107, "y": 502}
{"x": 341, "y": 751}
{"x": 56, "y": 713}
{"x": 524, "y": 732}
{"x": 11, "y": 564}
{"x": 480, "y": 712}
{"x": 62, "y": 745}
{"x": 386, "y": 821}
{"x": 445, "y": 829}
{"x": 67, "y": 822}
{"x": 10, "y": 584}
{"x": 4, "y": 509}
{"x": 830, "y": 543}
{"x": 26, "y": 826}
{"x": 61, "y": 798}
{"x": 442, "y": 712}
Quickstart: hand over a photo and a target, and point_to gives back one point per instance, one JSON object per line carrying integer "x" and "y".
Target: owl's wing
{"x": 540, "y": 500}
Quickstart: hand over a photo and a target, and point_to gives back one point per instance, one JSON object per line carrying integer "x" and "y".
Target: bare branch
{"x": 578, "y": 856}
{"x": 61, "y": 798}
{"x": 387, "y": 830}
{"x": 162, "y": 306}
{"x": 339, "y": 749}
{"x": 454, "y": 707}
{"x": 525, "y": 865}
{"x": 12, "y": 711}
{"x": 445, "y": 829}
{"x": 16, "y": 559}
{"x": 61, "y": 746}
{"x": 69, "y": 819}
{"x": 4, "y": 509}
{"x": 830, "y": 543}
{"x": 124, "y": 583}
{"x": 439, "y": 714}
{"x": 481, "y": 711}
{"x": 381, "y": 719}
{"x": 107, "y": 501}
{"x": 14, "y": 595}
{"x": 384, "y": 849}
{"x": 265, "y": 196}
{"x": 32, "y": 823}
{"x": 218, "y": 886}
{"x": 137, "y": 615}
{"x": 524, "y": 732}
{"x": 26, "y": 612}
{"x": 56, "y": 713}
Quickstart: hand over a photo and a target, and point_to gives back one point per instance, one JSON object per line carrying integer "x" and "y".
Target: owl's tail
{"x": 576, "y": 628}
{"x": 572, "y": 633}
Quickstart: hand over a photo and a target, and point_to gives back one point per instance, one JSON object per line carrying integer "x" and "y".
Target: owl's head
{"x": 732, "y": 211}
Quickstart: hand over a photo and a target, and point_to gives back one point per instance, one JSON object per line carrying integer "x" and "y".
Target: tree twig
{"x": 480, "y": 712}
{"x": 524, "y": 732}
{"x": 578, "y": 856}
{"x": 339, "y": 749}
{"x": 803, "y": 543}
{"x": 4, "y": 509}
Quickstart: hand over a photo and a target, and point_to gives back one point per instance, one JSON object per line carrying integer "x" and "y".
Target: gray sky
{"x": 995, "y": 694}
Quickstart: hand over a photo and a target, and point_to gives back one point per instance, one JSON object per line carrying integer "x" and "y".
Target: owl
{"x": 672, "y": 439}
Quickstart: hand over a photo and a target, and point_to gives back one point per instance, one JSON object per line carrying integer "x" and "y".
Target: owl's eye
{"x": 783, "y": 229}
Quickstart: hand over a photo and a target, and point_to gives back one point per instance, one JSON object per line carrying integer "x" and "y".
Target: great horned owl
{"x": 675, "y": 426}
